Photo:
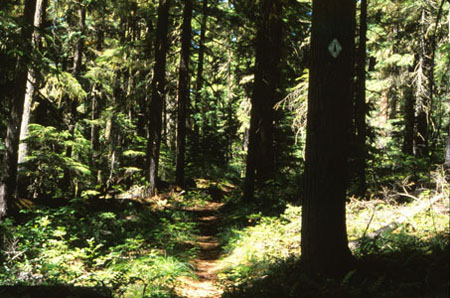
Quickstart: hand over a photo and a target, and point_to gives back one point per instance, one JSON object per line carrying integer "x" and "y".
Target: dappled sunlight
{"x": 206, "y": 264}
{"x": 378, "y": 226}
{"x": 224, "y": 149}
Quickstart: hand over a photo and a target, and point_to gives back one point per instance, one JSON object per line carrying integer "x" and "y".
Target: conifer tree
{"x": 158, "y": 92}
{"x": 324, "y": 237}
{"x": 10, "y": 159}
{"x": 183, "y": 92}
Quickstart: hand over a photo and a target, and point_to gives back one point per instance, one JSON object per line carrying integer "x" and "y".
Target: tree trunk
{"x": 447, "y": 149}
{"x": 9, "y": 172}
{"x": 201, "y": 53}
{"x": 96, "y": 102}
{"x": 31, "y": 82}
{"x": 409, "y": 118}
{"x": 183, "y": 92}
{"x": 431, "y": 81}
{"x": 260, "y": 154}
{"x": 230, "y": 112}
{"x": 360, "y": 104}
{"x": 199, "y": 85}
{"x": 423, "y": 95}
{"x": 324, "y": 239}
{"x": 76, "y": 70}
{"x": 79, "y": 46}
{"x": 249, "y": 183}
{"x": 158, "y": 92}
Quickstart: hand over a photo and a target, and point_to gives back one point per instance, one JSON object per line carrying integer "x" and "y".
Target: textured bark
{"x": 260, "y": 154}
{"x": 183, "y": 92}
{"x": 360, "y": 104}
{"x": 31, "y": 81}
{"x": 324, "y": 239}
{"x": 158, "y": 92}
{"x": 9, "y": 172}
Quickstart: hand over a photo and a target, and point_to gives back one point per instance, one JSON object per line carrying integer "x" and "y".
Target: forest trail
{"x": 206, "y": 265}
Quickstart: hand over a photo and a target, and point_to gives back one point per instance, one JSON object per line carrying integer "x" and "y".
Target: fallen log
{"x": 393, "y": 225}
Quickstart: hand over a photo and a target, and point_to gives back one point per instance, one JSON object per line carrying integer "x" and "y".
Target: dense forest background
{"x": 121, "y": 120}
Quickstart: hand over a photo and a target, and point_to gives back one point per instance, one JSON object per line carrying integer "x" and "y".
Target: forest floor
{"x": 210, "y": 244}
{"x": 206, "y": 264}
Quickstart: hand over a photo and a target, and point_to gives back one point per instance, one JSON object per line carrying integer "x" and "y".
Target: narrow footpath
{"x": 206, "y": 264}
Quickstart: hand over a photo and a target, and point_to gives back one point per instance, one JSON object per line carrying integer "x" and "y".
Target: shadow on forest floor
{"x": 55, "y": 291}
{"x": 406, "y": 273}
{"x": 134, "y": 240}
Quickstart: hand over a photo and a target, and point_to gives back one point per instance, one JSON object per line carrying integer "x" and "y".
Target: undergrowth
{"x": 133, "y": 249}
{"x": 400, "y": 239}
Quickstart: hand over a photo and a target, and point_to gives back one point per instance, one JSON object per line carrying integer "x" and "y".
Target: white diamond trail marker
{"x": 334, "y": 48}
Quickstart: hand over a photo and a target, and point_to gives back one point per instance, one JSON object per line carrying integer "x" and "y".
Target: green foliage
{"x": 140, "y": 252}
{"x": 133, "y": 250}
{"x": 297, "y": 102}
{"x": 254, "y": 250}
{"x": 47, "y": 162}
{"x": 63, "y": 84}
{"x": 263, "y": 259}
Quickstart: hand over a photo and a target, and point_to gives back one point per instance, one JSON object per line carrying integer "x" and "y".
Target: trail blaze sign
{"x": 334, "y": 48}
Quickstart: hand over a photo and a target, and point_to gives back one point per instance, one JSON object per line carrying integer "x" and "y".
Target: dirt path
{"x": 207, "y": 262}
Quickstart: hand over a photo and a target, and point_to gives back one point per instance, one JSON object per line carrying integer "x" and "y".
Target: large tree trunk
{"x": 260, "y": 154}
{"x": 9, "y": 173}
{"x": 31, "y": 82}
{"x": 183, "y": 92}
{"x": 360, "y": 104}
{"x": 158, "y": 92}
{"x": 324, "y": 238}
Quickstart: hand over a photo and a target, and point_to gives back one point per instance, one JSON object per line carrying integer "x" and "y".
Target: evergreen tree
{"x": 324, "y": 237}
{"x": 183, "y": 92}
{"x": 260, "y": 153}
{"x": 360, "y": 103}
{"x": 31, "y": 81}
{"x": 158, "y": 93}
{"x": 10, "y": 159}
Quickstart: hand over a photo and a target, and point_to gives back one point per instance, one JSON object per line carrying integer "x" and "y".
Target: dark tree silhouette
{"x": 360, "y": 103}
{"x": 183, "y": 92}
{"x": 158, "y": 92}
{"x": 9, "y": 173}
{"x": 324, "y": 237}
{"x": 260, "y": 156}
